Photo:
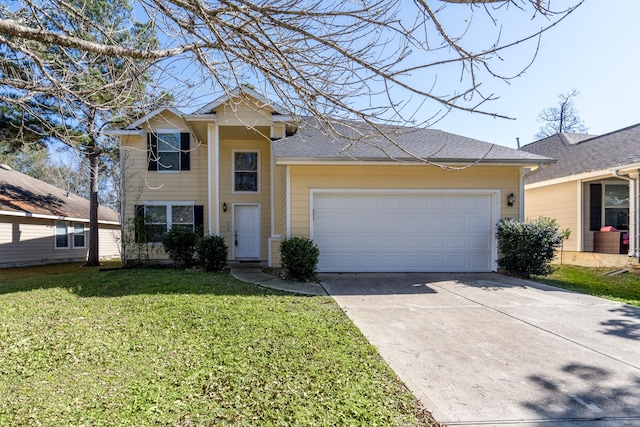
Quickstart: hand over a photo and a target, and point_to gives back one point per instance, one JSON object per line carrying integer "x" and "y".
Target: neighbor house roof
{"x": 578, "y": 154}
{"x": 358, "y": 141}
{"x": 22, "y": 195}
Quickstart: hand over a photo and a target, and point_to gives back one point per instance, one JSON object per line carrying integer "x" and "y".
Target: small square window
{"x": 245, "y": 174}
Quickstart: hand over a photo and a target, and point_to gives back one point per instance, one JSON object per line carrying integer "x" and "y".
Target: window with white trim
{"x": 245, "y": 172}
{"x": 168, "y": 151}
{"x": 156, "y": 218}
{"x": 616, "y": 206}
{"x": 78, "y": 235}
{"x": 62, "y": 235}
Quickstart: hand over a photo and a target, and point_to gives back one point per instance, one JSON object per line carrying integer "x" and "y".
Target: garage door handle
{"x": 236, "y": 238}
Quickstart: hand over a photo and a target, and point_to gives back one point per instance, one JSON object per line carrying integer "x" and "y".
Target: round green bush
{"x": 212, "y": 252}
{"x": 299, "y": 258}
{"x": 180, "y": 245}
{"x": 527, "y": 247}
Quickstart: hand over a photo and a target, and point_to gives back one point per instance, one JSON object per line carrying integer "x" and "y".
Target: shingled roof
{"x": 577, "y": 154}
{"x": 21, "y": 194}
{"x": 358, "y": 141}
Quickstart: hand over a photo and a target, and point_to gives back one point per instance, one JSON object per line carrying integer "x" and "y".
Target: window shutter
{"x": 152, "y": 151}
{"x": 595, "y": 207}
{"x": 185, "y": 154}
{"x": 138, "y": 223}
{"x": 198, "y": 219}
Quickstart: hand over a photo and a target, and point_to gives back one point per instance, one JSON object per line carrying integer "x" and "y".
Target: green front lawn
{"x": 623, "y": 287}
{"x": 154, "y": 347}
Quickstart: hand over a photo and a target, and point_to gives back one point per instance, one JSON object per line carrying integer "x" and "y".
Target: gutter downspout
{"x": 633, "y": 217}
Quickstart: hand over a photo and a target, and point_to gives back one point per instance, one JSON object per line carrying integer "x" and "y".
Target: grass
{"x": 80, "y": 347}
{"x": 624, "y": 287}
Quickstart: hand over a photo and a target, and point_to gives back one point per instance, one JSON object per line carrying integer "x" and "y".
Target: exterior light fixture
{"x": 224, "y": 207}
{"x": 511, "y": 199}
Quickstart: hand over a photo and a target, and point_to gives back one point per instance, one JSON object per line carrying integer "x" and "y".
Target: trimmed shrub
{"x": 299, "y": 258}
{"x": 527, "y": 247}
{"x": 180, "y": 244}
{"x": 212, "y": 252}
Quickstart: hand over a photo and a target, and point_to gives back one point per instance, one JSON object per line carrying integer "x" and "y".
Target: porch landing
{"x": 593, "y": 259}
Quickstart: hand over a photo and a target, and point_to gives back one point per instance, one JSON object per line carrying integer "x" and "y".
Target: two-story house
{"x": 241, "y": 167}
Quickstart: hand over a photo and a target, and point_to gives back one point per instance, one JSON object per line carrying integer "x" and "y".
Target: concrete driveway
{"x": 485, "y": 350}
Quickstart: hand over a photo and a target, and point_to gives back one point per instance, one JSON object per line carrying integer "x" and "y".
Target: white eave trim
{"x": 604, "y": 173}
{"x": 200, "y": 117}
{"x": 355, "y": 162}
{"x": 632, "y": 167}
{"x": 117, "y": 132}
{"x": 54, "y": 217}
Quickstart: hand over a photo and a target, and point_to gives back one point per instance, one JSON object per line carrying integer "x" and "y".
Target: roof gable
{"x": 578, "y": 154}
{"x": 21, "y": 194}
{"x": 257, "y": 99}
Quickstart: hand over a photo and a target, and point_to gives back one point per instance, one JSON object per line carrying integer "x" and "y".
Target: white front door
{"x": 246, "y": 224}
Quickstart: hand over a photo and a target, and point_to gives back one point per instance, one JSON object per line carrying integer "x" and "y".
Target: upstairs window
{"x": 169, "y": 151}
{"x": 245, "y": 171}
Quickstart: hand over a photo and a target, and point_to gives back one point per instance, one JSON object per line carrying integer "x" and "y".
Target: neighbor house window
{"x": 245, "y": 171}
{"x": 169, "y": 151}
{"x": 609, "y": 205}
{"x": 62, "y": 235}
{"x": 616, "y": 206}
{"x": 78, "y": 235}
{"x": 156, "y": 218}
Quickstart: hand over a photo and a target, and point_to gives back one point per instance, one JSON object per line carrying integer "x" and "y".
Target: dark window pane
{"x": 182, "y": 215}
{"x": 246, "y": 181}
{"x": 246, "y": 161}
{"x": 62, "y": 241}
{"x": 618, "y": 217}
{"x": 169, "y": 161}
{"x": 168, "y": 142}
{"x": 156, "y": 214}
{"x": 78, "y": 236}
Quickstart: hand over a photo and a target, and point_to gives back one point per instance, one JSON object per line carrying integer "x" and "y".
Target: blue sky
{"x": 596, "y": 50}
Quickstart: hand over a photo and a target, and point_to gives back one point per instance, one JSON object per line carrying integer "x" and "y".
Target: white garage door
{"x": 400, "y": 232}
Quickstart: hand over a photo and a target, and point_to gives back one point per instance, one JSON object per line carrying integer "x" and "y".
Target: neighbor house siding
{"x": 31, "y": 241}
{"x": 307, "y": 177}
{"x": 559, "y": 202}
{"x": 141, "y": 185}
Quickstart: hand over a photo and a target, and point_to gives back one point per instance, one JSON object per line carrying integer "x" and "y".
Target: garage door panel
{"x": 403, "y": 232}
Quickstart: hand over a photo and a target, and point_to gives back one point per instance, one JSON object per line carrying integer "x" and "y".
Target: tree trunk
{"x": 94, "y": 258}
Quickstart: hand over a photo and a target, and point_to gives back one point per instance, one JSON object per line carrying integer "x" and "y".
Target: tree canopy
{"x": 563, "y": 118}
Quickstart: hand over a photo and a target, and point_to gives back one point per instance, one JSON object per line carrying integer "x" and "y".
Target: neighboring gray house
{"x": 43, "y": 224}
{"x": 593, "y": 186}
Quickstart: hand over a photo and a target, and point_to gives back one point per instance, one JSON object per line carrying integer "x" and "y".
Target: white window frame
{"x": 169, "y": 212}
{"x": 233, "y": 172}
{"x": 56, "y": 234}
{"x": 75, "y": 232}
{"x": 606, "y": 184}
{"x": 159, "y": 132}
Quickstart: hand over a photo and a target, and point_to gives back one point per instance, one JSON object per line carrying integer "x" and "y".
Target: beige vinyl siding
{"x": 141, "y": 185}
{"x": 109, "y": 241}
{"x": 307, "y": 177}
{"x": 31, "y": 241}
{"x": 262, "y": 197}
{"x": 560, "y": 202}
